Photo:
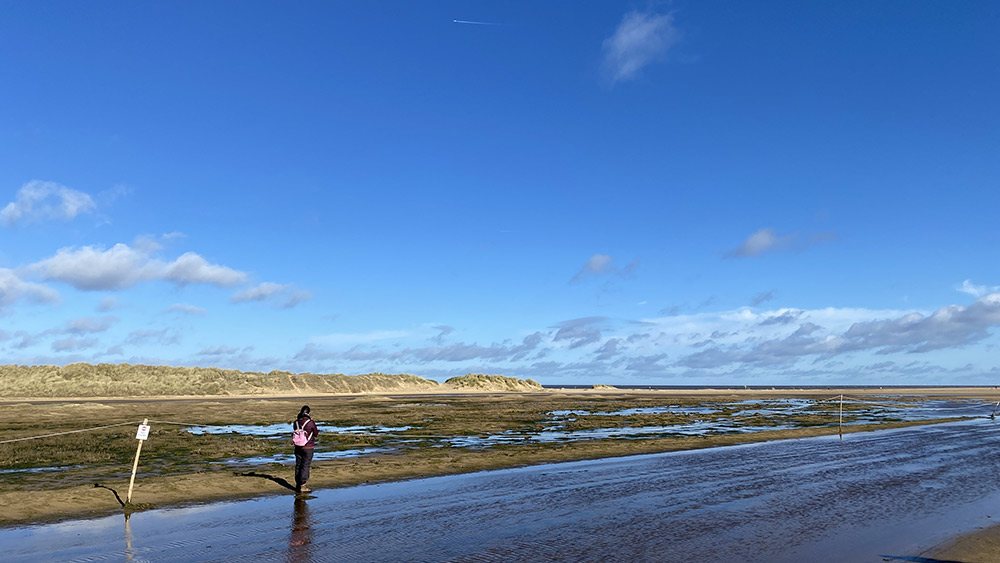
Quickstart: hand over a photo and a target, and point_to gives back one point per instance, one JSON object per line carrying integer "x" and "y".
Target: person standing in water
{"x": 304, "y": 452}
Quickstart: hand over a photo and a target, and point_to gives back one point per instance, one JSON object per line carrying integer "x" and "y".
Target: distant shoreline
{"x": 735, "y": 387}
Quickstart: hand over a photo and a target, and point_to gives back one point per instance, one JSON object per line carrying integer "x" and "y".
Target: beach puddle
{"x": 707, "y": 419}
{"x": 704, "y": 420}
{"x": 552, "y": 435}
{"x": 284, "y": 430}
{"x": 317, "y": 456}
{"x": 858, "y": 410}
{"x": 672, "y": 409}
{"x": 16, "y": 471}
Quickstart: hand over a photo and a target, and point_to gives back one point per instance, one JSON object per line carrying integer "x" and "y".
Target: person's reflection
{"x": 298, "y": 544}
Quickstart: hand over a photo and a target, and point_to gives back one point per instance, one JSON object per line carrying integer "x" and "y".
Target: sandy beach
{"x": 867, "y": 497}
{"x": 166, "y": 481}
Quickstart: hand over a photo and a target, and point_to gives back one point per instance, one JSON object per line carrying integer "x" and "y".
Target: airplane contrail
{"x": 475, "y": 23}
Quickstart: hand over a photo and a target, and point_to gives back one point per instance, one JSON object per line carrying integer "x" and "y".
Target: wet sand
{"x": 179, "y": 468}
{"x": 875, "y": 496}
{"x": 68, "y": 500}
{"x": 41, "y": 505}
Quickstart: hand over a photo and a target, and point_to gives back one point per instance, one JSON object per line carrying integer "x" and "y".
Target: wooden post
{"x": 141, "y": 436}
{"x": 842, "y": 416}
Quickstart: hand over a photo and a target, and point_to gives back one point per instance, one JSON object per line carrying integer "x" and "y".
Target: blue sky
{"x": 578, "y": 192}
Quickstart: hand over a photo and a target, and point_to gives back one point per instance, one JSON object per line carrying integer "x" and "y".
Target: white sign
{"x": 143, "y": 432}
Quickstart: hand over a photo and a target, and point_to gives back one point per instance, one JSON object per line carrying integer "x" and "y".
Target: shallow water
{"x": 393, "y": 438}
{"x": 920, "y": 410}
{"x": 285, "y": 430}
{"x": 872, "y": 496}
{"x": 16, "y": 471}
{"x": 317, "y": 456}
{"x": 555, "y": 434}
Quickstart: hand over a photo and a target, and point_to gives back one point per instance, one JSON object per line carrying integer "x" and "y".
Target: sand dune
{"x": 125, "y": 380}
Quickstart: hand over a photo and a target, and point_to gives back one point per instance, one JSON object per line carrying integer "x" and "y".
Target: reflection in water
{"x": 128, "y": 539}
{"x": 301, "y": 538}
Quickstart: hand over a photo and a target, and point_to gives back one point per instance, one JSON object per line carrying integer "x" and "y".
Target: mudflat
{"x": 204, "y": 449}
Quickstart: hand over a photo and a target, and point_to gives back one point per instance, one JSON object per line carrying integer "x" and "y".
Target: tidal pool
{"x": 285, "y": 430}
{"x": 556, "y": 435}
{"x": 718, "y": 418}
{"x": 873, "y": 411}
{"x": 37, "y": 469}
{"x": 317, "y": 456}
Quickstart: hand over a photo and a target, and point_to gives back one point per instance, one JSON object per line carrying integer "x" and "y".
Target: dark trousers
{"x": 303, "y": 458}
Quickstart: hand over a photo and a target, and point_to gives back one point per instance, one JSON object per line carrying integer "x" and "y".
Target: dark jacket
{"x": 306, "y": 423}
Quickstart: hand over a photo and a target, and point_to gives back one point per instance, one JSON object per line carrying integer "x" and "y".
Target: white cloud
{"x": 91, "y": 269}
{"x": 73, "y": 344}
{"x": 640, "y": 39}
{"x": 977, "y": 290}
{"x": 760, "y": 242}
{"x": 610, "y": 349}
{"x": 442, "y": 332}
{"x": 598, "y": 263}
{"x": 219, "y": 351}
{"x": 85, "y": 325}
{"x": 191, "y": 268}
{"x": 24, "y": 340}
{"x": 147, "y": 336}
{"x": 595, "y": 265}
{"x": 186, "y": 309}
{"x": 580, "y": 332}
{"x": 261, "y": 292}
{"x": 38, "y": 200}
{"x": 730, "y": 345}
{"x": 603, "y": 264}
{"x": 767, "y": 240}
{"x": 107, "y": 304}
{"x": 13, "y": 288}
{"x": 821, "y": 334}
{"x": 285, "y": 295}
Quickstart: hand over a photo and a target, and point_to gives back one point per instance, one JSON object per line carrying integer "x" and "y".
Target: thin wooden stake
{"x": 841, "y": 416}
{"x": 135, "y": 466}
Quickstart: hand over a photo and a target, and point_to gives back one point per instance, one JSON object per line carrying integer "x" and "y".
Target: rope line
{"x": 69, "y": 432}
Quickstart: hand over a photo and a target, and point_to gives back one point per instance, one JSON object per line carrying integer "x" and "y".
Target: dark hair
{"x": 304, "y": 411}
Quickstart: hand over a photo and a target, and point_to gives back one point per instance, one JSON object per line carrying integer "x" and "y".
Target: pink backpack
{"x": 299, "y": 436}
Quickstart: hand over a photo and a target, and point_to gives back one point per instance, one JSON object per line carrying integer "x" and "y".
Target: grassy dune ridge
{"x": 126, "y": 380}
{"x": 493, "y": 383}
